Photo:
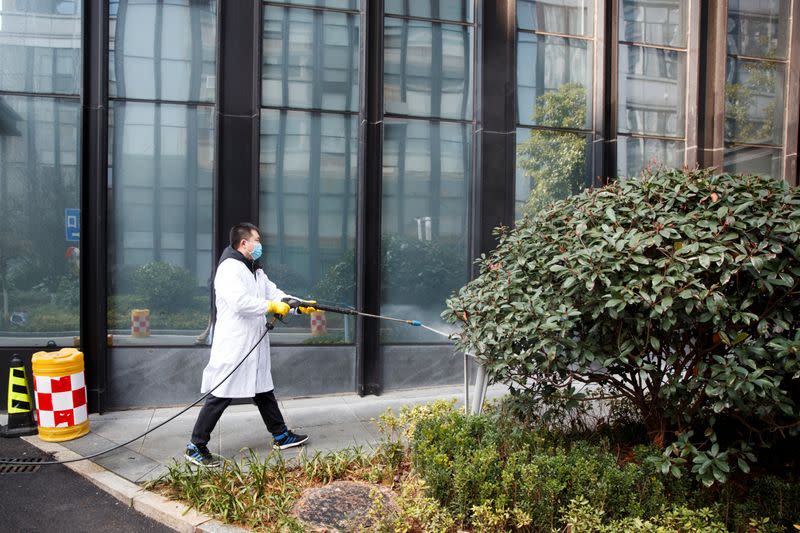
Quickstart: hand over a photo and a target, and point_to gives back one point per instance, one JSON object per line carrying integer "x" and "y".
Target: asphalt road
{"x": 54, "y": 498}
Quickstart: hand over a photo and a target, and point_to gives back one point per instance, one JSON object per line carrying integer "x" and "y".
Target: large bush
{"x": 677, "y": 291}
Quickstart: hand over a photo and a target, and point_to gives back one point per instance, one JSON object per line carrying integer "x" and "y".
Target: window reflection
{"x": 460, "y": 10}
{"x": 758, "y": 29}
{"x": 310, "y": 59}
{"x": 652, "y": 91}
{"x": 40, "y": 46}
{"x": 754, "y": 160}
{"x": 547, "y": 64}
{"x": 755, "y": 85}
{"x": 308, "y": 201}
{"x": 635, "y": 154}
{"x": 39, "y": 181}
{"x": 163, "y": 50}
{"x": 161, "y": 159}
{"x": 426, "y": 172}
{"x": 754, "y": 98}
{"x": 551, "y": 165}
{"x": 659, "y": 22}
{"x": 427, "y": 69}
{"x": 572, "y": 17}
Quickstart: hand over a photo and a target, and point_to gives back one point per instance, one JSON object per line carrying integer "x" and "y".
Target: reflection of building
{"x": 373, "y": 141}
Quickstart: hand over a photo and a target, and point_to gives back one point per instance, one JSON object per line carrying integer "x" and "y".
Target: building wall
{"x": 377, "y": 143}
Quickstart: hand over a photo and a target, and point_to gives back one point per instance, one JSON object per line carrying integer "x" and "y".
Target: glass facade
{"x": 309, "y": 160}
{"x": 555, "y": 81}
{"x": 755, "y": 85}
{"x": 40, "y": 186}
{"x": 652, "y": 84}
{"x": 422, "y": 111}
{"x": 160, "y": 168}
{"x": 427, "y": 162}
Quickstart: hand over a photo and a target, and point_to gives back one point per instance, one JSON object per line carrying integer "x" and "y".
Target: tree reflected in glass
{"x": 555, "y": 161}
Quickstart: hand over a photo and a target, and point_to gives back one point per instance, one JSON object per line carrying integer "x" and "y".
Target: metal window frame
{"x": 94, "y": 201}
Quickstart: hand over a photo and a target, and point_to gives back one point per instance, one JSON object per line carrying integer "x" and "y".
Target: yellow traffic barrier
{"x": 20, "y": 416}
{"x": 60, "y": 388}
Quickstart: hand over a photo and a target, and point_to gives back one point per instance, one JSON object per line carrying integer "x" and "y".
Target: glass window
{"x": 635, "y": 154}
{"x": 39, "y": 211}
{"x": 652, "y": 91}
{"x": 427, "y": 69}
{"x": 309, "y": 183}
{"x": 425, "y": 221}
{"x": 551, "y": 165}
{"x": 310, "y": 59}
{"x": 658, "y": 23}
{"x": 570, "y": 17}
{"x": 460, "y": 10}
{"x": 754, "y": 98}
{"x": 758, "y": 29}
{"x": 163, "y": 51}
{"x": 554, "y": 77}
{"x": 40, "y": 46}
{"x": 755, "y": 85}
{"x": 161, "y": 161}
{"x": 754, "y": 160}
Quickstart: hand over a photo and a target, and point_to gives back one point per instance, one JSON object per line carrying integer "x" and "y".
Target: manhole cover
{"x": 341, "y": 505}
{"x": 24, "y": 465}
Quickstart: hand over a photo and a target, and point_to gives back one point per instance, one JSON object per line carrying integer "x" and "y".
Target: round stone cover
{"x": 340, "y": 506}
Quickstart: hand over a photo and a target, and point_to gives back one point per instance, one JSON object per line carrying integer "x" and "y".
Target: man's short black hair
{"x": 242, "y": 231}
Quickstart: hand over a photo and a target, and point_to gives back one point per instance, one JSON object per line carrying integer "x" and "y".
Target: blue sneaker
{"x": 199, "y": 455}
{"x": 288, "y": 439}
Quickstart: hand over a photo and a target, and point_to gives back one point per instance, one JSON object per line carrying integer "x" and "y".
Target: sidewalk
{"x": 332, "y": 422}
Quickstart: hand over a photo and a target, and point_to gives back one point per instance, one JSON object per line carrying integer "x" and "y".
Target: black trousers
{"x": 213, "y": 408}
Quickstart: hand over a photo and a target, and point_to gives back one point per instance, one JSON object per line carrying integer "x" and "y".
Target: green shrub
{"x": 483, "y": 472}
{"x": 677, "y": 291}
{"x": 581, "y": 517}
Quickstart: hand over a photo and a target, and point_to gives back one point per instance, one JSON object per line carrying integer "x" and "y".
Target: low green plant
{"x": 487, "y": 472}
{"x": 582, "y": 517}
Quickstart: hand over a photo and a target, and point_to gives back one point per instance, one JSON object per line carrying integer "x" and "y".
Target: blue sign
{"x": 72, "y": 224}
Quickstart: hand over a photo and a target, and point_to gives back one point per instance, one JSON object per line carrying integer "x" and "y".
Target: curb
{"x": 170, "y": 513}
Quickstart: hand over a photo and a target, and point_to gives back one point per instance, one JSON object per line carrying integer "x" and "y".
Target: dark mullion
{"x": 692, "y": 89}
{"x": 711, "y": 113}
{"x": 368, "y": 255}
{"x": 41, "y": 95}
{"x": 427, "y": 118}
{"x": 792, "y": 106}
{"x": 161, "y": 101}
{"x": 430, "y": 19}
{"x": 94, "y": 201}
{"x": 496, "y": 135}
{"x": 236, "y": 174}
{"x": 611, "y": 89}
{"x": 312, "y": 8}
{"x": 598, "y": 96}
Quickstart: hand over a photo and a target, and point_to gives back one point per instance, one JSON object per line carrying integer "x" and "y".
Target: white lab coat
{"x": 241, "y": 300}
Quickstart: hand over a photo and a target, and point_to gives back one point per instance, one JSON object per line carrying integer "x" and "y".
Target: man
{"x": 244, "y": 295}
